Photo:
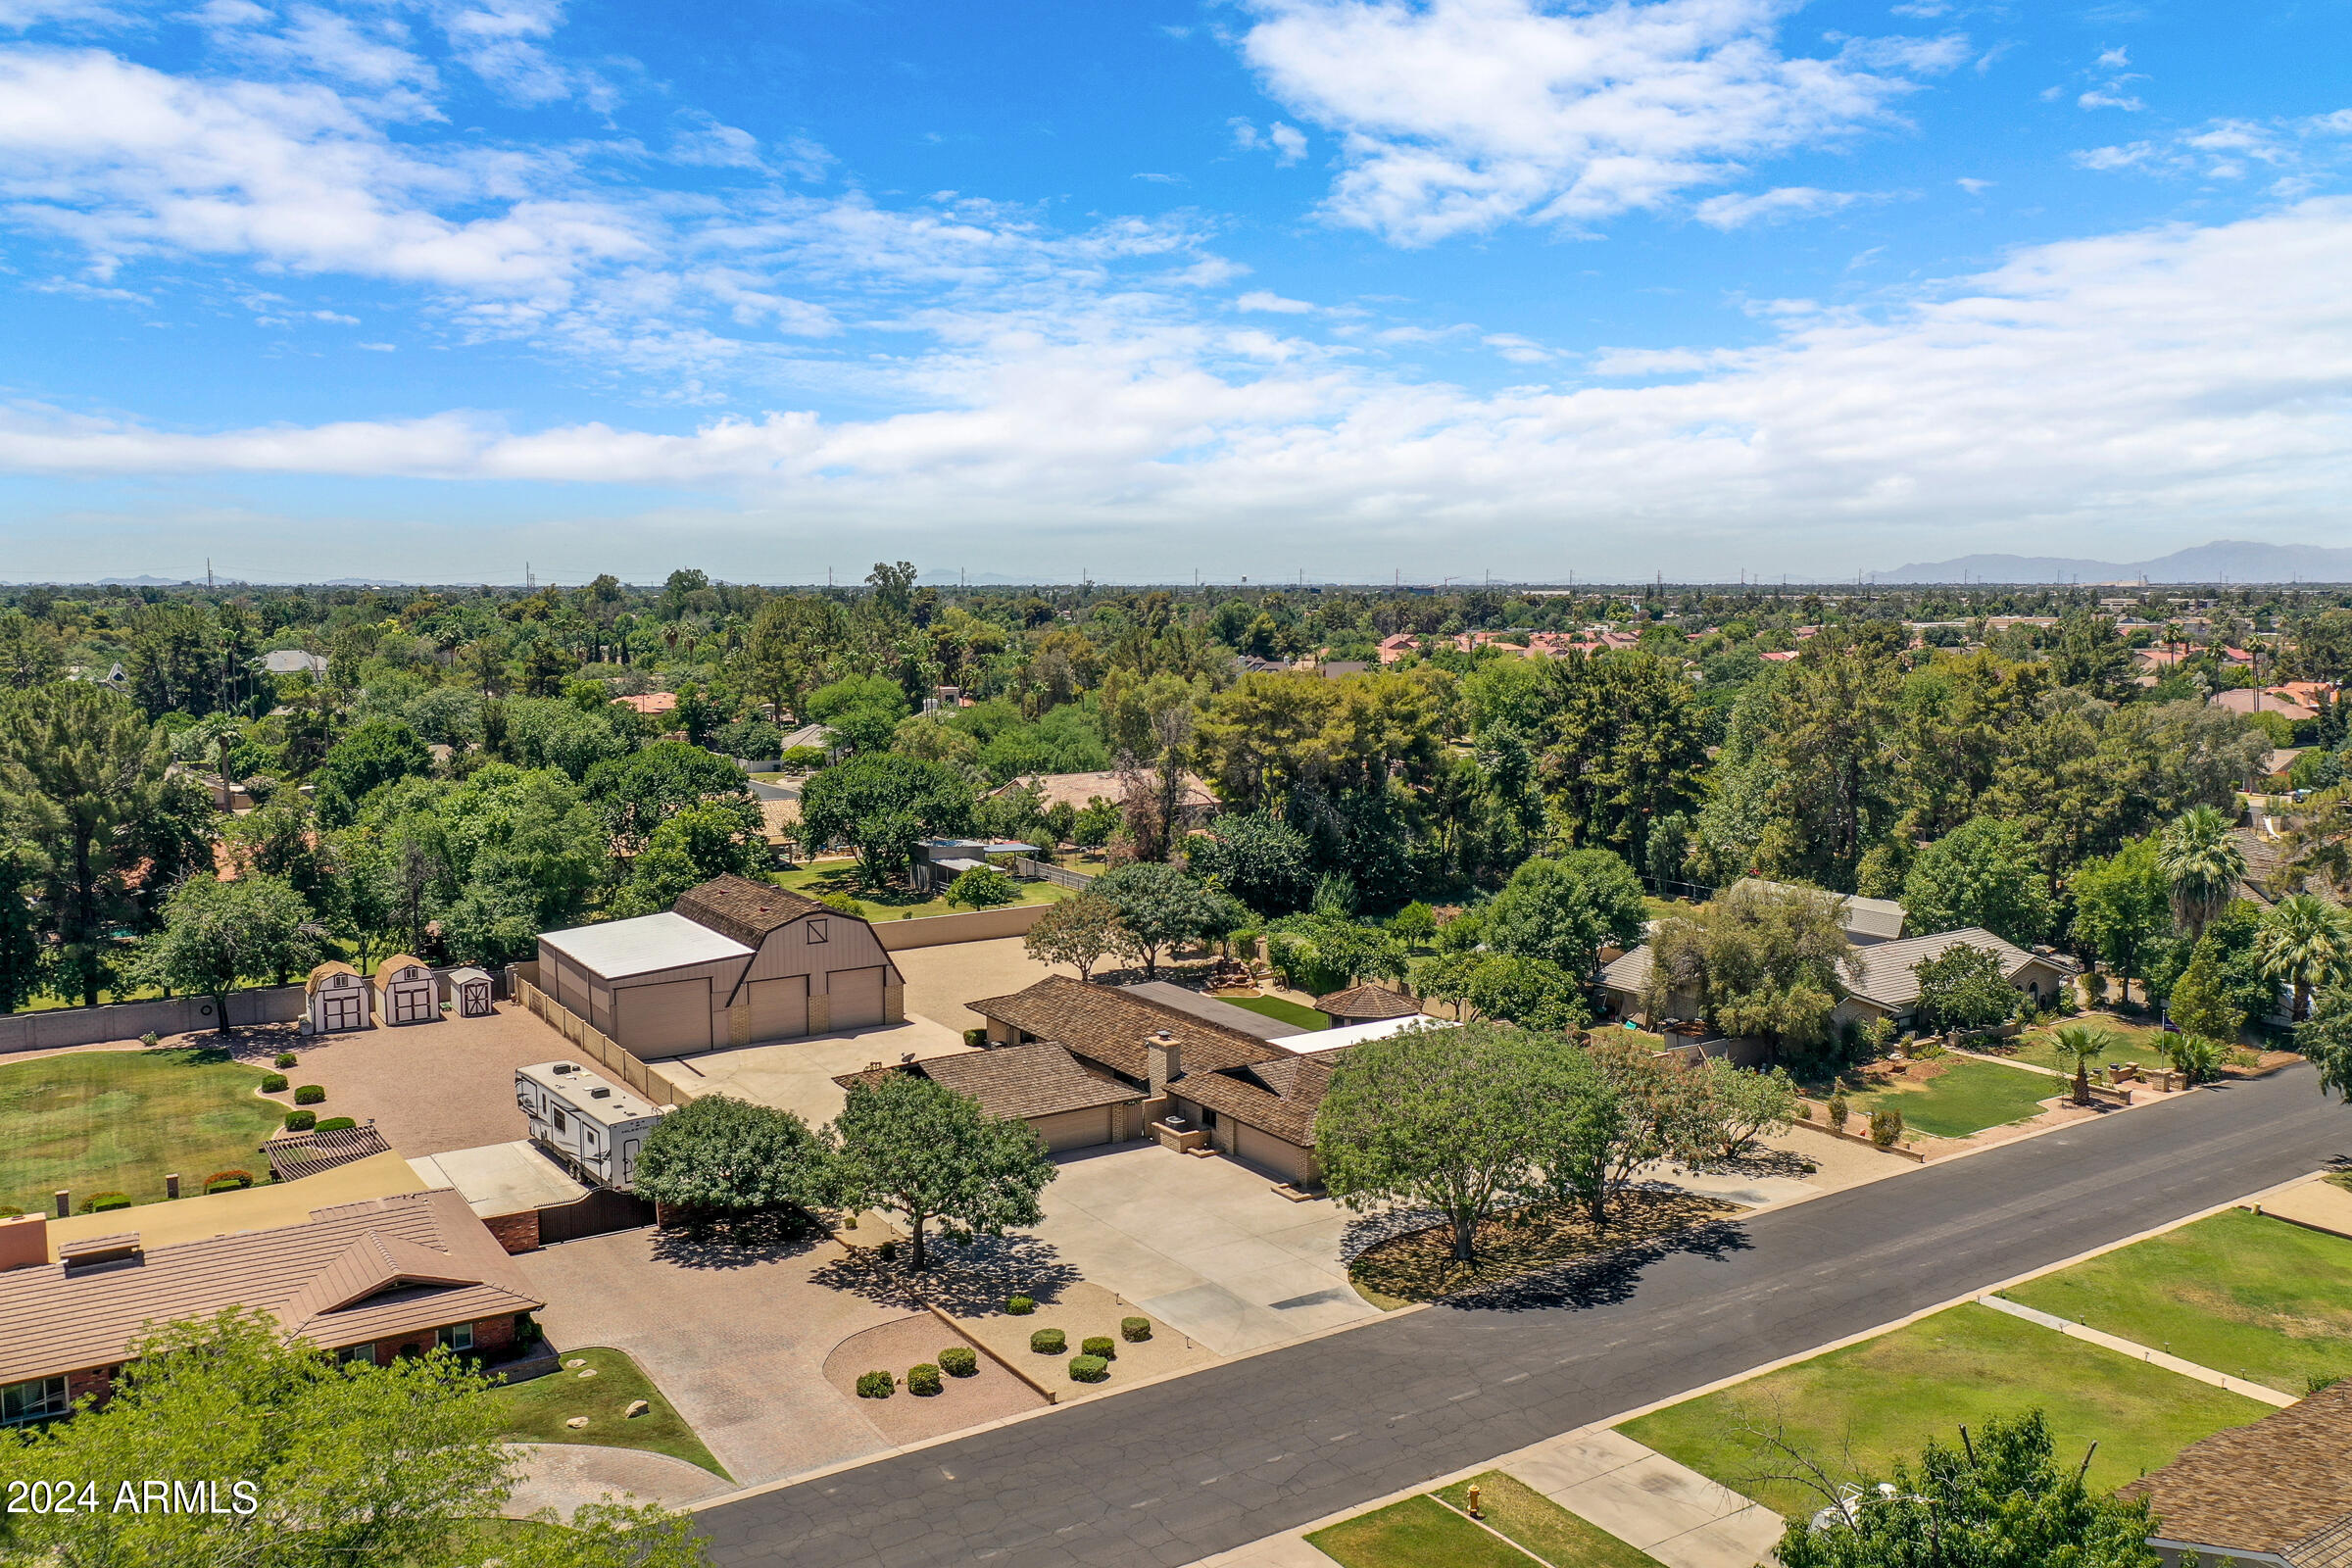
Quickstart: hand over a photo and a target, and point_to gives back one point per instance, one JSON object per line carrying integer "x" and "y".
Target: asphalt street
{"x": 1176, "y": 1472}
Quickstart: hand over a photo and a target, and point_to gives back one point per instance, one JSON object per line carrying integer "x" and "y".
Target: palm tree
{"x": 2203, "y": 865}
{"x": 2085, "y": 1045}
{"x": 2306, "y": 941}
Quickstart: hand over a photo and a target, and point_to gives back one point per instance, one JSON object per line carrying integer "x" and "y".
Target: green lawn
{"x": 535, "y": 1411}
{"x": 1889, "y": 1395}
{"x": 896, "y": 904}
{"x": 1281, "y": 1012}
{"x": 1967, "y": 1097}
{"x": 97, "y": 1121}
{"x": 2240, "y": 1292}
{"x": 1418, "y": 1532}
{"x": 1542, "y": 1526}
{"x": 2140, "y": 1044}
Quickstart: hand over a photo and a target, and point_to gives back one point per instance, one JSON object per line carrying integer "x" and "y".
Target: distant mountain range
{"x": 2222, "y": 560}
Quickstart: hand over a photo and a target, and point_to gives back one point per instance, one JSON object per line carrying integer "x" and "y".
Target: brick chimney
{"x": 24, "y": 1242}
{"x": 1166, "y": 1064}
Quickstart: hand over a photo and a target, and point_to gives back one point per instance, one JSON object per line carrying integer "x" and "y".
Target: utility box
{"x": 592, "y": 1125}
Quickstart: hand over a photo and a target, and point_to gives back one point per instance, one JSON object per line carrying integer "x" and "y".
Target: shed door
{"x": 473, "y": 998}
{"x": 856, "y": 997}
{"x": 663, "y": 1020}
{"x": 1074, "y": 1129}
{"x": 411, "y": 1002}
{"x": 339, "y": 1009}
{"x": 779, "y": 1007}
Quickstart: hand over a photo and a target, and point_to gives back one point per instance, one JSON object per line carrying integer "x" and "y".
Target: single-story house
{"x": 367, "y": 1281}
{"x": 1069, "y": 1103}
{"x": 1366, "y": 1003}
{"x": 1077, "y": 789}
{"x": 2277, "y": 1492}
{"x": 937, "y": 862}
{"x": 294, "y": 662}
{"x": 1887, "y": 984}
{"x": 1865, "y": 920}
{"x": 1212, "y": 1009}
{"x": 405, "y": 991}
{"x": 732, "y": 962}
{"x": 650, "y": 705}
{"x": 335, "y": 998}
{"x": 2250, "y": 700}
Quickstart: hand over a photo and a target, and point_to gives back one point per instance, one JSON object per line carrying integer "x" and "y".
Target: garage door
{"x": 338, "y": 1009}
{"x": 1264, "y": 1150}
{"x": 664, "y": 1020}
{"x": 856, "y": 997}
{"x": 1074, "y": 1129}
{"x": 779, "y": 1007}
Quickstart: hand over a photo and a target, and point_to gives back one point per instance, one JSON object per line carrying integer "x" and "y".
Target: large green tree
{"x": 1156, "y": 905}
{"x": 2306, "y": 943}
{"x": 217, "y": 936}
{"x": 1564, "y": 909}
{"x": 316, "y": 1465}
{"x": 915, "y": 1148}
{"x": 722, "y": 1155}
{"x": 2123, "y": 906}
{"x": 879, "y": 805}
{"x": 1760, "y": 960}
{"x": 1963, "y": 987}
{"x": 1624, "y": 745}
{"x": 1982, "y": 873}
{"x": 637, "y": 793}
{"x": 2202, "y": 866}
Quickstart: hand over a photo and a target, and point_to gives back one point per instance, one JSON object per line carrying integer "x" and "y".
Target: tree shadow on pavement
{"x": 1606, "y": 1280}
{"x": 737, "y": 1241}
{"x": 975, "y": 1277}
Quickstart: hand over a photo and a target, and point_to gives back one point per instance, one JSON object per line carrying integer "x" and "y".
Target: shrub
{"x": 301, "y": 1121}
{"x": 803, "y": 759}
{"x": 922, "y": 1379}
{"x": 274, "y": 1083}
{"x": 2193, "y": 1057}
{"x": 876, "y": 1385}
{"x": 230, "y": 1178}
{"x": 889, "y": 1252}
{"x": 842, "y": 903}
{"x": 1886, "y": 1128}
{"x": 310, "y": 1095}
{"x": 527, "y": 1330}
{"x": 106, "y": 1203}
{"x": 1836, "y": 1113}
{"x": 151, "y": 1040}
{"x": 2320, "y": 1383}
{"x": 1134, "y": 1330}
{"x": 960, "y": 1361}
{"x": 336, "y": 1124}
{"x": 1020, "y": 1306}
{"x": 10, "y": 1211}
{"x": 1100, "y": 1345}
{"x": 285, "y": 1058}
{"x": 1088, "y": 1369}
{"x": 2240, "y": 1057}
{"x": 977, "y": 1039}
{"x": 983, "y": 886}
{"x": 1048, "y": 1341}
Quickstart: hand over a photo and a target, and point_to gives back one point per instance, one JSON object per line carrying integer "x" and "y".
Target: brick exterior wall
{"x": 517, "y": 1233}
{"x": 98, "y": 1381}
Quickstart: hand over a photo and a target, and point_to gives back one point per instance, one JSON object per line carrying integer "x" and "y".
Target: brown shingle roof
{"x": 389, "y": 970}
{"x": 1015, "y": 1083}
{"x": 2267, "y": 1487}
{"x": 744, "y": 911}
{"x": 62, "y": 1321}
{"x": 1279, "y": 1096}
{"x": 1367, "y": 1004}
{"x": 1110, "y": 1026}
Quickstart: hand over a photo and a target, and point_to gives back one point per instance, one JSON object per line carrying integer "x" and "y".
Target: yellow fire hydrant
{"x": 1474, "y": 1513}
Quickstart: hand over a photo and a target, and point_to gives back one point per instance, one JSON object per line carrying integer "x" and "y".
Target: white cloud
{"x": 1974, "y": 186}
{"x": 2164, "y": 378}
{"x": 1267, "y": 300}
{"x": 2293, "y": 151}
{"x": 2103, "y": 98}
{"x": 702, "y": 140}
{"x": 1516, "y": 349}
{"x": 1460, "y": 115}
{"x": 1771, "y": 206}
{"x": 1288, "y": 143}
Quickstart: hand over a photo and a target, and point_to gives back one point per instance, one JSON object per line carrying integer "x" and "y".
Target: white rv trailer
{"x": 593, "y": 1125}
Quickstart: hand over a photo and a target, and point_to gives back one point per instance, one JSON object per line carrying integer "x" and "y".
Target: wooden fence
{"x": 1047, "y": 872}
{"x": 595, "y": 1045}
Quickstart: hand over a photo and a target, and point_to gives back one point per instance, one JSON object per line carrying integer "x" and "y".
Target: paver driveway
{"x": 1203, "y": 1245}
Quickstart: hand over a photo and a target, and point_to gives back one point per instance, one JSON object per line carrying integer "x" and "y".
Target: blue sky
{"x": 427, "y": 288}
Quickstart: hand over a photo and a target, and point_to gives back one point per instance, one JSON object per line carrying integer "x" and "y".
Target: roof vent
{"x": 600, "y": 1092}
{"x": 567, "y": 1066}
{"x": 96, "y": 1251}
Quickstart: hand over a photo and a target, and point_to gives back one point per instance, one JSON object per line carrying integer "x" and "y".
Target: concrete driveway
{"x": 797, "y": 1075}
{"x": 1202, "y": 1245}
{"x": 941, "y": 980}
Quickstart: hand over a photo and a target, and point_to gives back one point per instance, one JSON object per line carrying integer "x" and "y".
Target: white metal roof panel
{"x": 647, "y": 945}
{"x": 1316, "y": 1040}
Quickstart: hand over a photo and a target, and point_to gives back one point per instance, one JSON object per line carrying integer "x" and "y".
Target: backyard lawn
{"x": 535, "y": 1411}
{"x": 2141, "y": 1044}
{"x": 2240, "y": 1292}
{"x": 118, "y": 1121}
{"x": 1967, "y": 1097}
{"x": 1281, "y": 1012}
{"x": 1418, "y": 1532}
{"x": 1887, "y": 1395}
{"x": 1542, "y": 1526}
{"x": 893, "y": 903}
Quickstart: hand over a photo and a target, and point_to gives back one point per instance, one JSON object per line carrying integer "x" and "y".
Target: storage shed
{"x": 735, "y": 962}
{"x": 472, "y": 992}
{"x": 405, "y": 991}
{"x": 336, "y": 998}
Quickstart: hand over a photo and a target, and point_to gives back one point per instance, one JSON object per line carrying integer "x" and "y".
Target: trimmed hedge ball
{"x": 285, "y": 1058}
{"x": 1134, "y": 1330}
{"x": 1088, "y": 1369}
{"x": 1020, "y": 1306}
{"x": 274, "y": 1083}
{"x": 336, "y": 1124}
{"x": 1099, "y": 1345}
{"x": 1048, "y": 1341}
{"x": 309, "y": 1094}
{"x": 922, "y": 1378}
{"x": 876, "y": 1385}
{"x": 960, "y": 1361}
{"x": 301, "y": 1121}
{"x": 106, "y": 1203}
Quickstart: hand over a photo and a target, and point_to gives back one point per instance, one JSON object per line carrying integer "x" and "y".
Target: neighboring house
{"x": 937, "y": 862}
{"x": 294, "y": 662}
{"x": 1393, "y": 649}
{"x": 1886, "y": 986}
{"x": 1069, "y": 1103}
{"x": 733, "y": 962}
{"x": 336, "y": 998}
{"x": 2249, "y": 699}
{"x": 2277, "y": 1492}
{"x": 2265, "y": 862}
{"x": 1077, "y": 789}
{"x": 367, "y": 1281}
{"x": 1865, "y": 920}
{"x": 405, "y": 991}
{"x": 1625, "y": 977}
{"x": 594, "y": 1127}
{"x": 1366, "y": 1003}
{"x": 1255, "y": 1096}
{"x": 650, "y": 705}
